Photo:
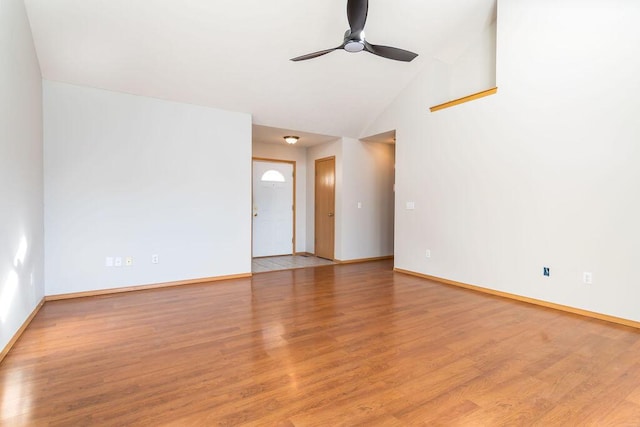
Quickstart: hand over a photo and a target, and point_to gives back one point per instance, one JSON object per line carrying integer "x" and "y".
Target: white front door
{"x": 272, "y": 208}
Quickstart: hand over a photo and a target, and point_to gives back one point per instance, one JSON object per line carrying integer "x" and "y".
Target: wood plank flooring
{"x": 340, "y": 345}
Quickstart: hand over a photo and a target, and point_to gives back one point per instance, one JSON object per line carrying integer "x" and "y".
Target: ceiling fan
{"x": 354, "y": 40}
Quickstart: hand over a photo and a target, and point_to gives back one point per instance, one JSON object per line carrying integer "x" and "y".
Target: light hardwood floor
{"x": 327, "y": 346}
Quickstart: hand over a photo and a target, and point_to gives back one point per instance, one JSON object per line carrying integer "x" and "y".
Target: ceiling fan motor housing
{"x": 353, "y": 42}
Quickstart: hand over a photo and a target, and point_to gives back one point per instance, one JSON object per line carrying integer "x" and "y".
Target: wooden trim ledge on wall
{"x": 464, "y": 99}
{"x": 24, "y": 326}
{"x": 144, "y": 287}
{"x": 565, "y": 308}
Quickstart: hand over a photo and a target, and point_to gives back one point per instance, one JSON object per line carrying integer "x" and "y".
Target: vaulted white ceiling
{"x": 234, "y": 54}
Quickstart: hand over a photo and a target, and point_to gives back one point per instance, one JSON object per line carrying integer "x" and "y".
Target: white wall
{"x": 133, "y": 176}
{"x": 299, "y": 156}
{"x": 367, "y": 178}
{"x": 466, "y": 70}
{"x": 542, "y": 174}
{"x": 475, "y": 70}
{"x": 21, "y": 189}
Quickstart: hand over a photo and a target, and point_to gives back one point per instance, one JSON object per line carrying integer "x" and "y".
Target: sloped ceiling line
{"x": 234, "y": 55}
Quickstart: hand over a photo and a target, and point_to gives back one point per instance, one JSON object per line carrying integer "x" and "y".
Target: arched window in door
{"x": 272, "y": 176}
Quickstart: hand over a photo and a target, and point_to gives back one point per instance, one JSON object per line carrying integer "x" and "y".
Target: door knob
{"x": 330, "y": 213}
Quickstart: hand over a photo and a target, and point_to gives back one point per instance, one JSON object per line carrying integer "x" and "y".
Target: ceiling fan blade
{"x": 357, "y": 14}
{"x": 390, "y": 52}
{"x": 315, "y": 54}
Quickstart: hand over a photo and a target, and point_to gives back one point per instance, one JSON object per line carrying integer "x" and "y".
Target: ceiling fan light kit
{"x": 353, "y": 44}
{"x": 354, "y": 40}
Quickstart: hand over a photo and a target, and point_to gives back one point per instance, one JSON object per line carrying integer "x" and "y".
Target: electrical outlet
{"x": 546, "y": 271}
{"x": 118, "y": 261}
{"x": 587, "y": 278}
{"x": 154, "y": 259}
{"x": 128, "y": 261}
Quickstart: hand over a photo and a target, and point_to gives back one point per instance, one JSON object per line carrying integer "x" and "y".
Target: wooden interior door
{"x": 325, "y": 190}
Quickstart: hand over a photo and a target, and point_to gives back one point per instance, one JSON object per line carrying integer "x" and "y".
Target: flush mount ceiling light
{"x": 291, "y": 139}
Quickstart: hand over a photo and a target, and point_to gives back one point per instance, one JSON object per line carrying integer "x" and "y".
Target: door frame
{"x": 315, "y": 204}
{"x": 268, "y": 160}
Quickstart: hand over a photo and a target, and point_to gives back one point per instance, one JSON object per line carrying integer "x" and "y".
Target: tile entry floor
{"x": 286, "y": 262}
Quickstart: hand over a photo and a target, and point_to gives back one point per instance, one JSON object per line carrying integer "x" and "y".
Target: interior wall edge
{"x": 359, "y": 260}
{"x": 20, "y": 331}
{"x": 73, "y": 295}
